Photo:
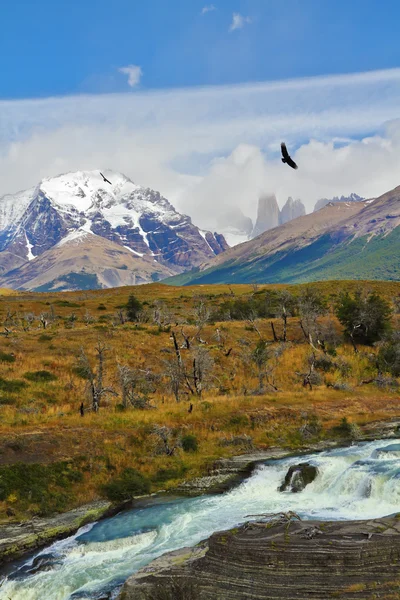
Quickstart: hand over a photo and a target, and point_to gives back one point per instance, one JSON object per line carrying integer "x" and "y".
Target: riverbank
{"x": 16, "y": 539}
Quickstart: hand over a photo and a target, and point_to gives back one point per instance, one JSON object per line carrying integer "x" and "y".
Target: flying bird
{"x": 286, "y": 158}
{"x": 105, "y": 178}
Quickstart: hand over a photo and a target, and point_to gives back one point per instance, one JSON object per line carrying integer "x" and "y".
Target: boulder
{"x": 298, "y": 476}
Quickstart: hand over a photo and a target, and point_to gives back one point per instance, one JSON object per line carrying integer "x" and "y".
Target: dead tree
{"x": 164, "y": 435}
{"x": 180, "y": 364}
{"x": 202, "y": 367}
{"x": 96, "y": 388}
{"x": 135, "y": 387}
{"x": 308, "y": 377}
{"x": 265, "y": 357}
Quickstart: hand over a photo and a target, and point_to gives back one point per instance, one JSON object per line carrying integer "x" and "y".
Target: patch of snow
{"x": 134, "y": 251}
{"x": 203, "y": 235}
{"x": 29, "y": 247}
{"x": 77, "y": 236}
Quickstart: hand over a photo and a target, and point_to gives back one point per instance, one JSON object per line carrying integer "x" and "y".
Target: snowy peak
{"x": 67, "y": 208}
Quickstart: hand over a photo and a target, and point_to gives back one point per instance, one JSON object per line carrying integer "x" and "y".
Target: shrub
{"x": 130, "y": 483}
{"x": 40, "y": 376}
{"x": 11, "y": 386}
{"x": 239, "y": 421}
{"x": 101, "y": 307}
{"x": 163, "y": 475}
{"x": 389, "y": 356}
{"x": 44, "y": 337}
{"x": 133, "y": 308}
{"x": 347, "y": 429}
{"x": 189, "y": 443}
{"x": 365, "y": 319}
{"x": 4, "y": 357}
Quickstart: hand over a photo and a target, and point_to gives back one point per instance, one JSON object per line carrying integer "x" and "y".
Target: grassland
{"x": 52, "y": 459}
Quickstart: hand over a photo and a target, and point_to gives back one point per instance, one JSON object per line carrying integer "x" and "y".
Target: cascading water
{"x": 358, "y": 482}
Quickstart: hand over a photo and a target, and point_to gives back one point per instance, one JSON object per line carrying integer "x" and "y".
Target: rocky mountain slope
{"x": 53, "y": 223}
{"x": 295, "y": 560}
{"x": 324, "y": 201}
{"x": 344, "y": 240}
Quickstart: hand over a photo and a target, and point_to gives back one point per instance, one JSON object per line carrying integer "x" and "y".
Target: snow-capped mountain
{"x": 62, "y": 210}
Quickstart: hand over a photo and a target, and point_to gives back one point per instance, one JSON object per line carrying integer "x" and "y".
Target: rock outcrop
{"x": 324, "y": 201}
{"x": 18, "y": 538}
{"x": 291, "y": 210}
{"x": 296, "y": 560}
{"x": 298, "y": 477}
{"x": 267, "y": 215}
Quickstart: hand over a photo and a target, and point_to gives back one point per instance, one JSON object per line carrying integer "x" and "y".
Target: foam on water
{"x": 358, "y": 482}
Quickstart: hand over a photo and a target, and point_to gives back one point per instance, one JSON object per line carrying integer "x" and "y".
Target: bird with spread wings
{"x": 286, "y": 157}
{"x": 105, "y": 178}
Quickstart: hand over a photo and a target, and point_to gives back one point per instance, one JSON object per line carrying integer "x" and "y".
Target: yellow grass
{"x": 41, "y": 423}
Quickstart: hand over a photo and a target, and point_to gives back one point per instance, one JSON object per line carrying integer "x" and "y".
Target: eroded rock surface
{"x": 300, "y": 560}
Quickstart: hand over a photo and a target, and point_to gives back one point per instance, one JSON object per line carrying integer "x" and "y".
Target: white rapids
{"x": 358, "y": 482}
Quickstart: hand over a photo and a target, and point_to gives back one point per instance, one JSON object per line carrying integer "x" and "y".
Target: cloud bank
{"x": 210, "y": 149}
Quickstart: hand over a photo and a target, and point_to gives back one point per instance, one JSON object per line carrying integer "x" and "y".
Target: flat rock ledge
{"x": 300, "y": 561}
{"x": 16, "y": 539}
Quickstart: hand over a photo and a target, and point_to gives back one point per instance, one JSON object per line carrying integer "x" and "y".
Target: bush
{"x": 366, "y": 319}
{"x": 130, "y": 483}
{"x": 44, "y": 337}
{"x": 40, "y": 376}
{"x": 189, "y": 443}
{"x": 11, "y": 385}
{"x": 347, "y": 429}
{"x": 163, "y": 475}
{"x": 133, "y": 308}
{"x": 389, "y": 356}
{"x": 4, "y": 357}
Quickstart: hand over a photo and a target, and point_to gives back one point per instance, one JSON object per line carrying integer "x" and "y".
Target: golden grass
{"x": 41, "y": 423}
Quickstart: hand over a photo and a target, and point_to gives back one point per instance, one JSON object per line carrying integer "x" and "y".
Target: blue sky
{"x": 67, "y": 47}
{"x": 193, "y": 98}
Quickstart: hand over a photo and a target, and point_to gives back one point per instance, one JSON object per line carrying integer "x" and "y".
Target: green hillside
{"x": 363, "y": 258}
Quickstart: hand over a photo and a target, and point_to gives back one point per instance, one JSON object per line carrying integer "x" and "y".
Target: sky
{"x": 194, "y": 98}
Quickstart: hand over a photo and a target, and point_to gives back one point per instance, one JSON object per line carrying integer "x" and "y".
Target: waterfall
{"x": 358, "y": 482}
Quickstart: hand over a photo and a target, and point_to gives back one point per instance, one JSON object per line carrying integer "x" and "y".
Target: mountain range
{"x": 76, "y": 231}
{"x": 354, "y": 239}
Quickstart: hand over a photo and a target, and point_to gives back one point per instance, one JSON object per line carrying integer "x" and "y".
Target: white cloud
{"x": 210, "y": 149}
{"x": 239, "y": 21}
{"x": 208, "y": 8}
{"x": 134, "y": 74}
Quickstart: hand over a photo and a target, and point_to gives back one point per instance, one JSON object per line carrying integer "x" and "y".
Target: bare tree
{"x": 202, "y": 369}
{"x": 264, "y": 357}
{"x": 27, "y": 321}
{"x": 95, "y": 377}
{"x": 135, "y": 387}
{"x": 174, "y": 374}
{"x": 88, "y": 318}
{"x": 120, "y": 317}
{"x": 161, "y": 314}
{"x": 311, "y": 308}
{"x": 166, "y": 441}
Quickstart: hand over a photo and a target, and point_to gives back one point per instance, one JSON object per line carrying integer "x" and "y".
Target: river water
{"x": 358, "y": 482}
